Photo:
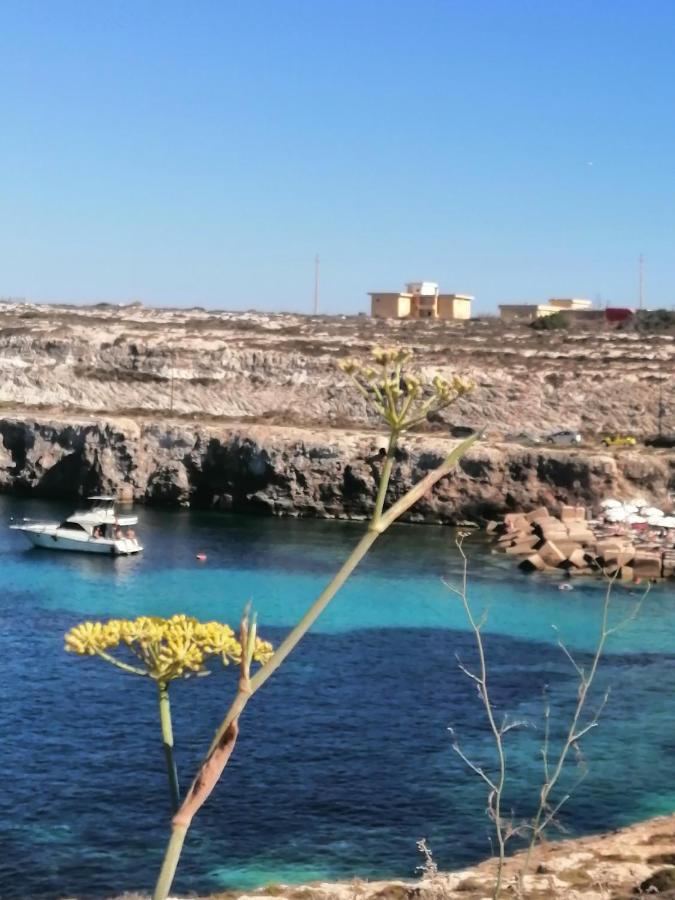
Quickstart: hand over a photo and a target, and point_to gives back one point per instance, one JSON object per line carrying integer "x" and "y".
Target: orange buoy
{"x": 201, "y": 557}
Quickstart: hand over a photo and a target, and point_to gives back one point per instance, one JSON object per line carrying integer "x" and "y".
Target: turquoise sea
{"x": 345, "y": 759}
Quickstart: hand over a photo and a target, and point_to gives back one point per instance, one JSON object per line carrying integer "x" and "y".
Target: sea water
{"x": 345, "y": 758}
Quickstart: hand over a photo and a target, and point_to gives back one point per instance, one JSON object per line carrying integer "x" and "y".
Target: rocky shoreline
{"x": 617, "y": 865}
{"x": 324, "y": 473}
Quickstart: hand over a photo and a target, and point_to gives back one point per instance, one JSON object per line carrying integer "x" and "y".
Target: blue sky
{"x": 202, "y": 153}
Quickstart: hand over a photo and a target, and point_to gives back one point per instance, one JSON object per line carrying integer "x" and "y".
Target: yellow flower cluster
{"x": 165, "y": 648}
{"x": 401, "y": 399}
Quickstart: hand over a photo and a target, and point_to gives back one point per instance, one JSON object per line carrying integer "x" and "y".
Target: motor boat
{"x": 98, "y": 529}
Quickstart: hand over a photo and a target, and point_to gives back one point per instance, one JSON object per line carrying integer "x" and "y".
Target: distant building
{"x": 530, "y": 311}
{"x": 420, "y": 300}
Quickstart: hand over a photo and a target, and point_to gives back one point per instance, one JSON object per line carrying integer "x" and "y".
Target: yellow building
{"x": 575, "y": 303}
{"x": 420, "y": 300}
{"x": 530, "y": 311}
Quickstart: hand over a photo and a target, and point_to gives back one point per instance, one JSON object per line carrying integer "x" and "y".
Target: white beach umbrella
{"x": 656, "y": 521}
{"x": 611, "y": 504}
{"x": 651, "y": 512}
{"x": 635, "y": 519}
{"x": 668, "y": 522}
{"x": 630, "y": 509}
{"x": 616, "y": 515}
{"x": 639, "y": 501}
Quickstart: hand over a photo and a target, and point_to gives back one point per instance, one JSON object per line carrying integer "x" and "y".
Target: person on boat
{"x": 118, "y": 533}
{"x": 131, "y": 534}
{"x": 98, "y": 534}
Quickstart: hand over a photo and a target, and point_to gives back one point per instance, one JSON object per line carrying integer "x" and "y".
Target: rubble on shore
{"x": 619, "y": 543}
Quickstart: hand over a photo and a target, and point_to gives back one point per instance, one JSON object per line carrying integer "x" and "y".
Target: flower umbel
{"x": 402, "y": 399}
{"x": 162, "y": 649}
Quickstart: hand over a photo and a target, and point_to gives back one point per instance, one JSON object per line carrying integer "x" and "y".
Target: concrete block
{"x": 567, "y": 546}
{"x": 581, "y": 513}
{"x": 568, "y": 514}
{"x": 522, "y": 548}
{"x": 578, "y": 558}
{"x": 647, "y": 565}
{"x": 627, "y": 573}
{"x": 517, "y": 521}
{"x": 608, "y": 546}
{"x": 580, "y": 534}
{"x": 620, "y": 557}
{"x": 533, "y": 563}
{"x": 538, "y": 514}
{"x": 551, "y": 554}
{"x": 491, "y": 527}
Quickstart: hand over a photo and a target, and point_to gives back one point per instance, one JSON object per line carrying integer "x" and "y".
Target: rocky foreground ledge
{"x": 281, "y": 470}
{"x": 620, "y": 865}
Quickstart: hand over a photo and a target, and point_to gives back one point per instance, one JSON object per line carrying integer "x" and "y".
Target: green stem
{"x": 167, "y": 740}
{"x": 376, "y": 528}
{"x": 170, "y": 864}
{"x": 385, "y": 477}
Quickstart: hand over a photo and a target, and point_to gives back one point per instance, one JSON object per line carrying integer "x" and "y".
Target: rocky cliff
{"x": 248, "y": 411}
{"x": 307, "y": 472}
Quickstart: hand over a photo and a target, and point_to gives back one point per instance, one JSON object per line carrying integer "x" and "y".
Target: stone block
{"x": 517, "y": 521}
{"x": 581, "y": 513}
{"x": 620, "y": 558}
{"x": 578, "y": 558}
{"x": 551, "y": 554}
{"x": 568, "y": 514}
{"x": 581, "y": 534}
{"x": 585, "y": 571}
{"x": 538, "y": 514}
{"x": 608, "y": 546}
{"x": 567, "y": 546}
{"x": 647, "y": 565}
{"x": 533, "y": 563}
{"x": 522, "y": 548}
{"x": 627, "y": 573}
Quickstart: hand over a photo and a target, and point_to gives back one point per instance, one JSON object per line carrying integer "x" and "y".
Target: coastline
{"x": 280, "y": 470}
{"x": 614, "y": 865}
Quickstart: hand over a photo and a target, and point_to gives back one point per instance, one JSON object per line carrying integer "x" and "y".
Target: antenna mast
{"x": 641, "y": 295}
{"x": 316, "y": 285}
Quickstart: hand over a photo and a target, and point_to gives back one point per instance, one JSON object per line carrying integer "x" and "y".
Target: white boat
{"x": 95, "y": 530}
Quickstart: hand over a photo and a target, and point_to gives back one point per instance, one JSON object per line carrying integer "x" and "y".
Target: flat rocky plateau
{"x": 248, "y": 411}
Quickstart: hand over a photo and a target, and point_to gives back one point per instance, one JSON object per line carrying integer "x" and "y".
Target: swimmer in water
{"x": 565, "y": 587}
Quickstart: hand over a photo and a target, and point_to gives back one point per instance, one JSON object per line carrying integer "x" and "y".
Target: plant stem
{"x": 167, "y": 740}
{"x": 170, "y": 864}
{"x": 376, "y": 528}
{"x": 385, "y": 477}
{"x": 544, "y": 815}
{"x": 497, "y": 789}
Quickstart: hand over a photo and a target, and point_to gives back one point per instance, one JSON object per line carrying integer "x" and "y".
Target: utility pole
{"x": 661, "y": 408}
{"x": 316, "y": 285}
{"x": 641, "y": 296}
{"x": 173, "y": 363}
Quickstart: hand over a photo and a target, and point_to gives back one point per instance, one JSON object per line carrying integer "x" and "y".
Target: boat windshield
{"x": 101, "y": 504}
{"x": 72, "y": 526}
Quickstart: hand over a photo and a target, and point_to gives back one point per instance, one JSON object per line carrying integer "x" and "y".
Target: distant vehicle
{"x": 565, "y": 438}
{"x": 619, "y": 440}
{"x": 661, "y": 440}
{"x": 462, "y": 431}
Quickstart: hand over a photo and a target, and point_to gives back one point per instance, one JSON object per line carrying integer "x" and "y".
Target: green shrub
{"x": 551, "y": 323}
{"x": 653, "y": 321}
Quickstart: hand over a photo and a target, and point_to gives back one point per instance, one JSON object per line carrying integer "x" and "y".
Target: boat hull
{"x": 56, "y": 539}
